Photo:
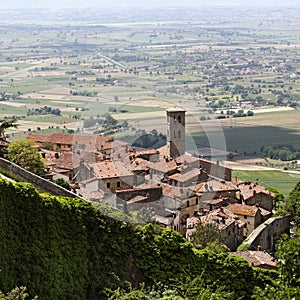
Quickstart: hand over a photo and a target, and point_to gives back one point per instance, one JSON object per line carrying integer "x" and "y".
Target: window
{"x": 179, "y": 119}
{"x": 187, "y": 203}
{"x": 245, "y": 217}
{"x": 118, "y": 184}
{"x": 197, "y": 201}
{"x": 108, "y": 185}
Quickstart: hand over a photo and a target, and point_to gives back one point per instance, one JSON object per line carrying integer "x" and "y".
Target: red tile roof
{"x": 173, "y": 191}
{"x": 110, "y": 169}
{"x": 242, "y": 209}
{"x": 257, "y": 258}
{"x": 214, "y": 186}
{"x": 250, "y": 189}
{"x": 186, "y": 176}
{"x": 89, "y": 141}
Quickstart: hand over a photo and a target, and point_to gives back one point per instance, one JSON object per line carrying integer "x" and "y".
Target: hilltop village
{"x": 180, "y": 190}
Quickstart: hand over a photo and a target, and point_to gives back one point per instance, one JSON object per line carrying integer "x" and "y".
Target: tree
{"x": 206, "y": 234}
{"x": 23, "y": 153}
{"x": 4, "y": 125}
{"x": 288, "y": 251}
{"x": 278, "y": 200}
{"x": 18, "y": 293}
{"x": 292, "y": 204}
{"x": 63, "y": 183}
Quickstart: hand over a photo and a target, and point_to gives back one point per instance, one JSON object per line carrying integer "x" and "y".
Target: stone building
{"x": 175, "y": 132}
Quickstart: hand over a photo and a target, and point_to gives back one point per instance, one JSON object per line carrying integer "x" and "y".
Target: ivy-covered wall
{"x": 64, "y": 248}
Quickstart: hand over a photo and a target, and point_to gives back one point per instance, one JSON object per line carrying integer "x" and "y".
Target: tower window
{"x": 179, "y": 119}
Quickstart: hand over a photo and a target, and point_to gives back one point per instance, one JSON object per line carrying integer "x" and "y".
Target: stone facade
{"x": 176, "y": 132}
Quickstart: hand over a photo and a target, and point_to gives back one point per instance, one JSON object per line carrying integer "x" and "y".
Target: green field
{"x": 284, "y": 182}
{"x": 250, "y": 139}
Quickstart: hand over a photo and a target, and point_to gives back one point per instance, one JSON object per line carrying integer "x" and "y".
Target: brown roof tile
{"x": 110, "y": 169}
{"x": 242, "y": 209}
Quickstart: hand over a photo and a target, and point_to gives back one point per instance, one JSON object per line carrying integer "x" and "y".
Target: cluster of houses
{"x": 179, "y": 189}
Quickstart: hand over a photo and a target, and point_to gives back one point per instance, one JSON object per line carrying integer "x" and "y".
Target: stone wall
{"x": 41, "y": 184}
{"x": 266, "y": 234}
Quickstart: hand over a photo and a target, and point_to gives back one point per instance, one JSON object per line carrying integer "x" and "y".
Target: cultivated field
{"x": 212, "y": 63}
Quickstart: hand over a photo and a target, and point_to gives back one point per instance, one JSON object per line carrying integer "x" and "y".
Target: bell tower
{"x": 175, "y": 132}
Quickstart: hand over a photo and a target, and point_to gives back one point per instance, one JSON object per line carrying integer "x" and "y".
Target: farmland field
{"x": 213, "y": 63}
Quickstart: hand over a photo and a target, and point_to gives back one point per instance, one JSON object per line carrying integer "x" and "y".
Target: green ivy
{"x": 64, "y": 248}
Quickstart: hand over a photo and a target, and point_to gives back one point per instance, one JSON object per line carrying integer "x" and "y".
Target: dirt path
{"x": 245, "y": 167}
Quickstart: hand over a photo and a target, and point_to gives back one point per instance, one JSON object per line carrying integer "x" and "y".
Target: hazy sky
{"x": 136, "y": 3}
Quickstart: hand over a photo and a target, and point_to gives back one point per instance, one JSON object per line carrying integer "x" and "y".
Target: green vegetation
{"x": 142, "y": 67}
{"x": 23, "y": 153}
{"x": 249, "y": 139}
{"x": 18, "y": 293}
{"x": 63, "y": 183}
{"x": 207, "y": 236}
{"x": 292, "y": 204}
{"x": 62, "y": 248}
{"x": 282, "y": 152}
{"x": 288, "y": 251}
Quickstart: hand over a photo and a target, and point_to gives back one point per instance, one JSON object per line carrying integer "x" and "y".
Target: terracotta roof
{"x": 250, "y": 189}
{"x": 139, "y": 164}
{"x": 257, "y": 258}
{"x": 37, "y": 137}
{"x": 185, "y": 176}
{"x": 173, "y": 191}
{"x": 242, "y": 209}
{"x": 64, "y": 160}
{"x": 110, "y": 169}
{"x": 214, "y": 186}
{"x": 187, "y": 158}
{"x": 90, "y": 142}
{"x": 165, "y": 165}
{"x": 220, "y": 217}
{"x": 138, "y": 153}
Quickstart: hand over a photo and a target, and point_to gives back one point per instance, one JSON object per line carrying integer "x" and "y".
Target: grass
{"x": 250, "y": 134}
{"x": 284, "y": 182}
{"x": 8, "y": 174}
